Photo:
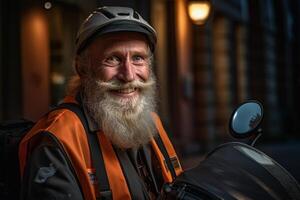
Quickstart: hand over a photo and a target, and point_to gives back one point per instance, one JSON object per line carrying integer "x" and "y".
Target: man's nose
{"x": 127, "y": 71}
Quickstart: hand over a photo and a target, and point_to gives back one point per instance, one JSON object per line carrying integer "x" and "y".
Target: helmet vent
{"x": 123, "y": 14}
{"x": 136, "y": 16}
{"x": 107, "y": 14}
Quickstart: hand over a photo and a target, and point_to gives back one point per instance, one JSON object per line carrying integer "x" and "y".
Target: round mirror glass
{"x": 246, "y": 118}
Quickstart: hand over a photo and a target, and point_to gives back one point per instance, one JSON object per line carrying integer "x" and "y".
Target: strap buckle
{"x": 105, "y": 195}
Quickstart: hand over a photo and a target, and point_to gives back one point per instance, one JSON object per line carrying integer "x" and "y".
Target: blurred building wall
{"x": 35, "y": 56}
{"x": 10, "y": 62}
{"x": 248, "y": 49}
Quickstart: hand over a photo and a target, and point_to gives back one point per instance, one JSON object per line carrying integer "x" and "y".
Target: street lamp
{"x": 199, "y": 10}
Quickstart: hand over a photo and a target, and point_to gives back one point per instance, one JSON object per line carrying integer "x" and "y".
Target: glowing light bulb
{"x": 199, "y": 11}
{"x": 47, "y": 5}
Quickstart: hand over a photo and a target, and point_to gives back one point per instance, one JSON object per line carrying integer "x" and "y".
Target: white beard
{"x": 127, "y": 123}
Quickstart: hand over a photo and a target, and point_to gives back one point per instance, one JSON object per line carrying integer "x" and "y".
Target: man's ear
{"x": 80, "y": 68}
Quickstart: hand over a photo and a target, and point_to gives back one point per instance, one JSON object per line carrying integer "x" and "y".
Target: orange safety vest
{"x": 68, "y": 129}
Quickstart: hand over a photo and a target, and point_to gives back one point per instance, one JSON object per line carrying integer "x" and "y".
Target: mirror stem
{"x": 259, "y": 133}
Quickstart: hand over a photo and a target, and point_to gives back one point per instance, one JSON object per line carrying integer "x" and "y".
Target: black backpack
{"x": 11, "y": 133}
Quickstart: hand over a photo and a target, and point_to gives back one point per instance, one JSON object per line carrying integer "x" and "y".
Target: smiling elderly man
{"x": 115, "y": 88}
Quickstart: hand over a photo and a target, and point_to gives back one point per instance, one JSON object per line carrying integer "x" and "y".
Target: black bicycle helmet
{"x": 113, "y": 19}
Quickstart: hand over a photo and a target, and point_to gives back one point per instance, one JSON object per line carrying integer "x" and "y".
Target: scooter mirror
{"x": 246, "y": 119}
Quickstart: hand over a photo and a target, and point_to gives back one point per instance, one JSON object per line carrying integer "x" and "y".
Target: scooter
{"x": 236, "y": 170}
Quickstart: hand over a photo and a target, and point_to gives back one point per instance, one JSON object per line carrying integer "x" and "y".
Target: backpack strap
{"x": 95, "y": 148}
{"x": 164, "y": 151}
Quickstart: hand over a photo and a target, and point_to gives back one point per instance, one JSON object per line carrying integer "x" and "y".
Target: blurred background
{"x": 245, "y": 49}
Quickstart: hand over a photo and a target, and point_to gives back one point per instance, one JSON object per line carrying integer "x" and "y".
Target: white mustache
{"x": 118, "y": 85}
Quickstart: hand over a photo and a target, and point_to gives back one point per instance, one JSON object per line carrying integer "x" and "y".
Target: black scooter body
{"x": 235, "y": 171}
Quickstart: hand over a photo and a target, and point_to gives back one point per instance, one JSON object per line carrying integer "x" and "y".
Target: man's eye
{"x": 112, "y": 61}
{"x": 139, "y": 60}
